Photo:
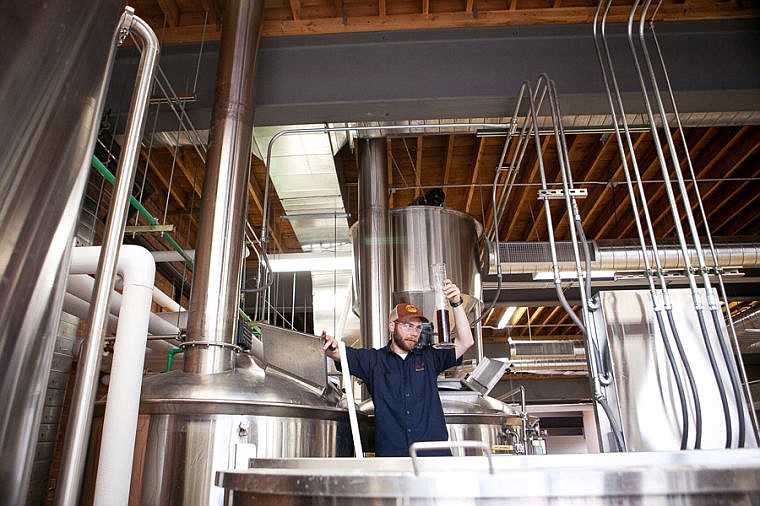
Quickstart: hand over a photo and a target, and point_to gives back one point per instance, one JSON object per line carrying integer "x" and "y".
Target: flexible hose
{"x": 679, "y": 386}
{"x": 692, "y": 381}
{"x": 728, "y": 357}
{"x": 602, "y": 400}
{"x": 716, "y": 374}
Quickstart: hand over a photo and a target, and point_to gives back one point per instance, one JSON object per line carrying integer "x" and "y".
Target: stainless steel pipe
{"x": 215, "y": 294}
{"x": 78, "y": 432}
{"x": 373, "y": 243}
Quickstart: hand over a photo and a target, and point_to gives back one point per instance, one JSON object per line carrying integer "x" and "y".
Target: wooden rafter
{"x": 418, "y": 168}
{"x": 157, "y": 172}
{"x": 389, "y": 165}
{"x": 295, "y": 9}
{"x": 189, "y": 169}
{"x": 171, "y": 11}
{"x": 477, "y": 164}
{"x": 513, "y": 16}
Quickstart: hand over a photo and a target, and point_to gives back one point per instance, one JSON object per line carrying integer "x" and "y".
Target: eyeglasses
{"x": 409, "y": 326}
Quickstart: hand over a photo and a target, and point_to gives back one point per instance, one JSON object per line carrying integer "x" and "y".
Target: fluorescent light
{"x": 310, "y": 262}
{"x": 510, "y": 311}
{"x": 573, "y": 275}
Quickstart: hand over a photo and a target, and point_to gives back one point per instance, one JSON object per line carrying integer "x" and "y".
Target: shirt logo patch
{"x": 419, "y": 365}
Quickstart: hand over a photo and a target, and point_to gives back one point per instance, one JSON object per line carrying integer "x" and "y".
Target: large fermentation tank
{"x": 425, "y": 235}
{"x": 55, "y": 58}
{"x": 194, "y": 425}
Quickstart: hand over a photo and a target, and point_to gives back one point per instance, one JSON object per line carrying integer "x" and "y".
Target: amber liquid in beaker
{"x": 444, "y": 330}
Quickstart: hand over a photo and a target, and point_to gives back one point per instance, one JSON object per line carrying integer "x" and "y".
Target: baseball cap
{"x": 405, "y": 311}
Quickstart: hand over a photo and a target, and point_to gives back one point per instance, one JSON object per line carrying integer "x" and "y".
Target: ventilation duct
{"x": 302, "y": 171}
{"x": 534, "y": 257}
{"x": 555, "y": 355}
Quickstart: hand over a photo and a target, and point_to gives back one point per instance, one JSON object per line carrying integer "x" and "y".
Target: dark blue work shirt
{"x": 405, "y": 394}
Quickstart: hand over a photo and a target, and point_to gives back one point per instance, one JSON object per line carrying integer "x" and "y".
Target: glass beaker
{"x": 441, "y": 308}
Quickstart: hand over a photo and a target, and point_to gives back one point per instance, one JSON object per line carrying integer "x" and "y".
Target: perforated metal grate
{"x": 521, "y": 252}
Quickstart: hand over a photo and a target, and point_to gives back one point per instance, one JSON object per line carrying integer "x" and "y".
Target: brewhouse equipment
{"x": 688, "y": 479}
{"x": 193, "y": 425}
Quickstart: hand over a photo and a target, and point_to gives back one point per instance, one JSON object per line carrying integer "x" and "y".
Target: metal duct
{"x": 747, "y": 326}
{"x": 215, "y": 292}
{"x": 531, "y": 257}
{"x": 372, "y": 243}
{"x": 542, "y": 355}
{"x": 56, "y": 61}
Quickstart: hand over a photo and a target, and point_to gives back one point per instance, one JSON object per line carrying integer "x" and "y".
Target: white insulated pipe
{"x": 81, "y": 287}
{"x": 137, "y": 270}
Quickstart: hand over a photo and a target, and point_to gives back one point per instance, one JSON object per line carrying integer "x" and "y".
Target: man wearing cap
{"x": 402, "y": 378}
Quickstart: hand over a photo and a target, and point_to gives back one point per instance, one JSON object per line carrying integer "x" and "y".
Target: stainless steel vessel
{"x": 194, "y": 425}
{"x": 56, "y": 61}
{"x": 473, "y": 417}
{"x": 683, "y": 478}
{"x": 502, "y": 427}
{"x": 425, "y": 235}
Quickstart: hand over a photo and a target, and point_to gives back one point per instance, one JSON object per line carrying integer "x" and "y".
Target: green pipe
{"x": 146, "y": 214}
{"x": 170, "y": 357}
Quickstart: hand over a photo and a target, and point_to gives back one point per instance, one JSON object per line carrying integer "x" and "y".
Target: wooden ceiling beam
{"x": 557, "y": 312}
{"x": 447, "y": 164}
{"x": 732, "y": 206}
{"x": 513, "y": 16}
{"x": 159, "y": 175}
{"x": 560, "y": 229}
{"x": 726, "y": 148}
{"x": 295, "y": 9}
{"x": 171, "y": 11}
{"x": 418, "y": 168}
{"x": 256, "y": 194}
{"x": 389, "y": 169}
{"x": 611, "y": 221}
{"x": 475, "y": 172}
{"x": 731, "y": 160}
{"x": 189, "y": 168}
{"x": 528, "y": 194}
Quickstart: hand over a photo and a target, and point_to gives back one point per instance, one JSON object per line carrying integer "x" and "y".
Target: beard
{"x": 403, "y": 344}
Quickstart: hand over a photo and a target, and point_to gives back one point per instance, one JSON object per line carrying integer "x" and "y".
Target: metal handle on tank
{"x": 442, "y": 445}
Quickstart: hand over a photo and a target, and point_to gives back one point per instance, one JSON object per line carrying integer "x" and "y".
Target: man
{"x": 402, "y": 378}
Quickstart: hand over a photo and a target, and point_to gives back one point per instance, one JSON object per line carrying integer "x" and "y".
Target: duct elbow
{"x": 136, "y": 266}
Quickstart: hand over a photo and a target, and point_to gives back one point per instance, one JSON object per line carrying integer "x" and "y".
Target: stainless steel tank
{"x": 194, "y": 425}
{"x": 473, "y": 417}
{"x": 424, "y": 235}
{"x": 697, "y": 478}
{"x": 56, "y": 59}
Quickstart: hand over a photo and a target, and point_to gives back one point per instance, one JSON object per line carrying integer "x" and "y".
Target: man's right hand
{"x": 330, "y": 346}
